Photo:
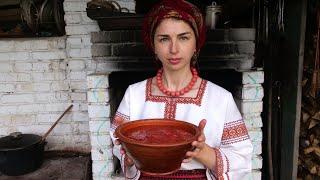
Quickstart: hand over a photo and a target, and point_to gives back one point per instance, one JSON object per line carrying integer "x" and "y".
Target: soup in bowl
{"x": 157, "y": 146}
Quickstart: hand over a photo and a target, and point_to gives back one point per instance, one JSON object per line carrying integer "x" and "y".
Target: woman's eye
{"x": 184, "y": 38}
{"x": 164, "y": 39}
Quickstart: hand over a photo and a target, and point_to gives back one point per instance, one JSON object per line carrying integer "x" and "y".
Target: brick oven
{"x": 40, "y": 77}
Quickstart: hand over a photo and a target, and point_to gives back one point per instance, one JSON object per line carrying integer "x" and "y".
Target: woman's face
{"x": 174, "y": 44}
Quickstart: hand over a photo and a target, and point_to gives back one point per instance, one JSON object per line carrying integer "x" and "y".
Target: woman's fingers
{"x": 128, "y": 161}
{"x": 202, "y": 124}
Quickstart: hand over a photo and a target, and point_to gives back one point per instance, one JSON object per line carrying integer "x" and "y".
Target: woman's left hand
{"x": 197, "y": 145}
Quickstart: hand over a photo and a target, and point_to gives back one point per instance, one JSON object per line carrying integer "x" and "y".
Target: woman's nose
{"x": 174, "y": 47}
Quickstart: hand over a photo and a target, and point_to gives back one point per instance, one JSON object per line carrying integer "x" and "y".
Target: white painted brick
{"x": 23, "y": 77}
{"x": 22, "y": 67}
{"x": 250, "y": 92}
{"x": 24, "y": 87}
{"x": 256, "y": 162}
{"x": 80, "y": 117}
{"x": 256, "y": 175}
{"x": 6, "y": 121}
{"x": 74, "y": 6}
{"x": 100, "y": 140}
{"x": 45, "y": 55}
{"x": 30, "y": 108}
{"x": 101, "y": 154}
{"x": 74, "y": 18}
{"x": 48, "y": 76}
{"x": 41, "y": 67}
{"x": 23, "y": 119}
{"x": 99, "y": 111}
{"x": 83, "y": 107}
{"x": 255, "y": 135}
{"x": 57, "y": 43}
{"x": 29, "y": 87}
{"x": 5, "y": 109}
{"x": 41, "y": 87}
{"x": 100, "y": 127}
{"x": 52, "y": 107}
{"x": 6, "y": 88}
{"x": 76, "y": 65}
{"x": 6, "y": 46}
{"x": 98, "y": 96}
{"x": 59, "y": 65}
{"x": 253, "y": 77}
{"x": 4, "y": 56}
{"x": 253, "y": 120}
{"x": 40, "y": 44}
{"x": 74, "y": 42}
{"x": 78, "y": 96}
{"x": 8, "y": 77}
{"x": 80, "y": 85}
{"x": 23, "y": 45}
{"x": 52, "y": 97}
{"x": 81, "y": 139}
{"x": 86, "y": 40}
{"x": 20, "y": 56}
{"x": 6, "y": 67}
{"x": 98, "y": 81}
{"x": 81, "y": 128}
{"x": 81, "y": 29}
{"x": 249, "y": 107}
{"x": 62, "y": 129}
{"x": 50, "y": 118}
{"x": 78, "y": 75}
{"x": 17, "y": 98}
{"x": 102, "y": 168}
{"x": 80, "y": 53}
{"x": 39, "y": 129}
{"x": 60, "y": 86}
{"x": 257, "y": 147}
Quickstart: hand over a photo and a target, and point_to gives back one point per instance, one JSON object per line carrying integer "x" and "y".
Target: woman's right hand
{"x": 127, "y": 160}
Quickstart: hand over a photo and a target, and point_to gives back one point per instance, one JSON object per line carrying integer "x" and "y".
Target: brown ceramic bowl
{"x": 157, "y": 146}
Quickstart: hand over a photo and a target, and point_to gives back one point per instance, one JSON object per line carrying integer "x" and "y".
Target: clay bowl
{"x": 157, "y": 146}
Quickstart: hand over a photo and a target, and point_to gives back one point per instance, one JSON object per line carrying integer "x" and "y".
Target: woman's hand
{"x": 127, "y": 160}
{"x": 201, "y": 151}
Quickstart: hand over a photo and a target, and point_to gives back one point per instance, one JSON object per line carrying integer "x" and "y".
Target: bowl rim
{"x": 124, "y": 139}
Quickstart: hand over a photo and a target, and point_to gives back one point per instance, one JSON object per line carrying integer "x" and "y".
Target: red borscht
{"x": 159, "y": 135}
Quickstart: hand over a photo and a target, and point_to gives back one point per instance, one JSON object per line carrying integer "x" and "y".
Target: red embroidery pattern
{"x": 118, "y": 119}
{"x": 228, "y": 166}
{"x": 199, "y": 174}
{"x": 219, "y": 164}
{"x": 171, "y": 102}
{"x": 233, "y": 132}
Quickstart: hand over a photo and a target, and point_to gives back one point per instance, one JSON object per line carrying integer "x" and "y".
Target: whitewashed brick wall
{"x": 249, "y": 100}
{"x": 35, "y": 88}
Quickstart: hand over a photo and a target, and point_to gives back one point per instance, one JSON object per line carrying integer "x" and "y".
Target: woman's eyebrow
{"x": 185, "y": 33}
{"x": 181, "y": 34}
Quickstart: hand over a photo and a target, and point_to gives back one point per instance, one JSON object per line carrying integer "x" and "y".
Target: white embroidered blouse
{"x": 225, "y": 130}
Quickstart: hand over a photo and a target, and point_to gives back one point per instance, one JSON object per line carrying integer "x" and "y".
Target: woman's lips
{"x": 174, "y": 60}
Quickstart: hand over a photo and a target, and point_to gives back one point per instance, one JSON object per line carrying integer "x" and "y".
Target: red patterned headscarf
{"x": 179, "y": 9}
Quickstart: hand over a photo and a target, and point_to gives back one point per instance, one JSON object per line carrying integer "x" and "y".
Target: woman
{"x": 175, "y": 32}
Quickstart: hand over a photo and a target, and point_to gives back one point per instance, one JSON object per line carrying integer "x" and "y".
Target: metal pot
{"x": 21, "y": 153}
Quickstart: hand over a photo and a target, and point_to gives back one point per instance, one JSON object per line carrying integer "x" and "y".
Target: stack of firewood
{"x": 309, "y": 150}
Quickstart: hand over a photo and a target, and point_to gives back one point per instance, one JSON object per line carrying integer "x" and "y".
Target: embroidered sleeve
{"x": 233, "y": 157}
